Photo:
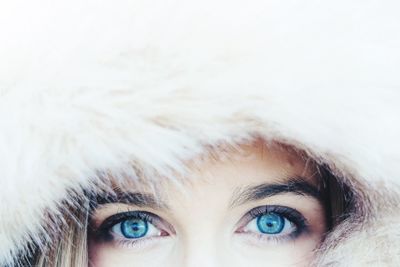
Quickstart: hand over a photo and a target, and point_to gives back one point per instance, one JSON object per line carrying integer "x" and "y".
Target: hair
{"x": 69, "y": 246}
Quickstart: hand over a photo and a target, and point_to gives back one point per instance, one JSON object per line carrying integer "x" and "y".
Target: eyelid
{"x": 118, "y": 217}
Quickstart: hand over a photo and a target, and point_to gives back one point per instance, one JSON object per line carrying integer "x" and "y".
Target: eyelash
{"x": 106, "y": 233}
{"x": 294, "y": 217}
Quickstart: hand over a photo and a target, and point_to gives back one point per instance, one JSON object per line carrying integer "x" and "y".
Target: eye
{"x": 133, "y": 228}
{"x": 130, "y": 228}
{"x": 273, "y": 222}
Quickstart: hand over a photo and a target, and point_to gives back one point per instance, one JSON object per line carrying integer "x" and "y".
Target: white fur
{"x": 89, "y": 86}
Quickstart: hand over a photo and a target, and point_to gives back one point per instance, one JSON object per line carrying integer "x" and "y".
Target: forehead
{"x": 251, "y": 164}
{"x": 226, "y": 168}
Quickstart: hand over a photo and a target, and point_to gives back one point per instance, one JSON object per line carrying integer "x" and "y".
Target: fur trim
{"x": 94, "y": 86}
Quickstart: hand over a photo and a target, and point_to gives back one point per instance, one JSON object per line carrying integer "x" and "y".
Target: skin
{"x": 204, "y": 222}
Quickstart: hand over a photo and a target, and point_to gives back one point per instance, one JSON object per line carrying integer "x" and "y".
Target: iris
{"x": 134, "y": 228}
{"x": 270, "y": 223}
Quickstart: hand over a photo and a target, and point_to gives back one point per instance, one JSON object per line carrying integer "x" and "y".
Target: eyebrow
{"x": 296, "y": 185}
{"x": 139, "y": 199}
{"x": 242, "y": 195}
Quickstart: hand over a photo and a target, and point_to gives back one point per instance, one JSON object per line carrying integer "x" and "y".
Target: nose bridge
{"x": 200, "y": 243}
{"x": 200, "y": 231}
{"x": 201, "y": 252}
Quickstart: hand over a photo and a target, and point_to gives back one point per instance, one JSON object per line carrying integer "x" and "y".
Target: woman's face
{"x": 259, "y": 207}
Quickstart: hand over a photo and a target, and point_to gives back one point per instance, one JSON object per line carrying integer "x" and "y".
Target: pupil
{"x": 134, "y": 228}
{"x": 270, "y": 223}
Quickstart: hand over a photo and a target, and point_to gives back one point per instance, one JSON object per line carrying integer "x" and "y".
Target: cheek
{"x": 299, "y": 252}
{"x": 103, "y": 255}
{"x": 235, "y": 253}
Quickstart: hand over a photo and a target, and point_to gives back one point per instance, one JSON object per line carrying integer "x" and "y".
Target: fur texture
{"x": 114, "y": 86}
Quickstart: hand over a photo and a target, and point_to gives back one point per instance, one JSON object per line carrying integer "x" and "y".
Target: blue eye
{"x": 274, "y": 221}
{"x": 134, "y": 228}
{"x": 135, "y": 225}
{"x": 270, "y": 223}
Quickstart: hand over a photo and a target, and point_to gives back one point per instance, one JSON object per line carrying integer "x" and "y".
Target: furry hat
{"x": 115, "y": 86}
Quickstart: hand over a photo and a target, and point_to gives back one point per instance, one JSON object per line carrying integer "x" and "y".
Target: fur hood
{"x": 88, "y": 87}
